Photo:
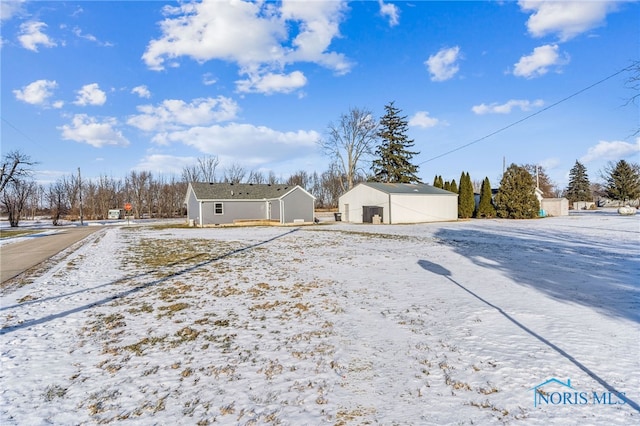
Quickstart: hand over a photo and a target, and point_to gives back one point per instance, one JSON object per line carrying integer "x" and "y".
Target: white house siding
{"x": 298, "y": 205}
{"x": 408, "y": 208}
{"x": 351, "y": 203}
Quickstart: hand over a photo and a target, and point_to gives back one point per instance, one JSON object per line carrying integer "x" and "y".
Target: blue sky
{"x": 115, "y": 86}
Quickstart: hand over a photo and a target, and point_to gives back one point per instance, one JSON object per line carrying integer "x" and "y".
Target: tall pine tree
{"x": 466, "y": 201}
{"x": 485, "y": 206}
{"x": 623, "y": 181}
{"x": 516, "y": 198}
{"x": 437, "y": 182}
{"x": 453, "y": 187}
{"x": 579, "y": 188}
{"x": 393, "y": 162}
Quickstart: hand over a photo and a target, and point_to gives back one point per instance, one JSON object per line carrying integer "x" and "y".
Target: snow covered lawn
{"x": 453, "y": 323}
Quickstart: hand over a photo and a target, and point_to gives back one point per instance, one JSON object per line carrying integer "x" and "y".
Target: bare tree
{"x": 72, "y": 189}
{"x": 15, "y": 165}
{"x": 57, "y": 201}
{"x": 542, "y": 180}
{"x": 203, "y": 171}
{"x": 633, "y": 83}
{"x": 256, "y": 176}
{"x": 349, "y": 141}
{"x": 137, "y": 186}
{"x": 332, "y": 185}
{"x": 234, "y": 173}
{"x": 15, "y": 196}
{"x": 272, "y": 179}
{"x": 300, "y": 178}
{"x": 108, "y": 195}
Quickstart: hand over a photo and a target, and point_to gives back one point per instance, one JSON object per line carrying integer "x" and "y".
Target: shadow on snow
{"x": 440, "y": 270}
{"x": 136, "y": 289}
{"x": 591, "y": 272}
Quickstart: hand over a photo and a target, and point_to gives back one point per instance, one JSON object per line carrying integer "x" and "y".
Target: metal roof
{"x": 238, "y": 191}
{"x": 407, "y": 188}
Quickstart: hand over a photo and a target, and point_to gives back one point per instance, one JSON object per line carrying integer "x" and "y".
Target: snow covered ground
{"x": 453, "y": 323}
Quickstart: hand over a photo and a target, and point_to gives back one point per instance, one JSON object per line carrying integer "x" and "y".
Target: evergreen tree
{"x": 453, "y": 187}
{"x": 623, "y": 181}
{"x": 393, "y": 162}
{"x": 447, "y": 185}
{"x": 516, "y": 198}
{"x": 579, "y": 188}
{"x": 437, "y": 182}
{"x": 485, "y": 206}
{"x": 466, "y": 201}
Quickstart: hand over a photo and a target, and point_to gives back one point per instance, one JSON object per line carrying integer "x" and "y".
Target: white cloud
{"x": 443, "y": 65}
{"x": 252, "y": 145}
{"x": 90, "y": 94}
{"x": 280, "y": 35}
{"x": 613, "y": 150}
{"x": 78, "y": 32}
{"x": 539, "y": 61}
{"x": 9, "y": 9}
{"x": 142, "y": 91}
{"x": 31, "y": 36}
{"x": 550, "y": 163}
{"x": 208, "y": 79}
{"x": 272, "y": 83}
{"x": 38, "y": 93}
{"x": 422, "y": 119}
{"x": 506, "y": 108}
{"x": 567, "y": 19}
{"x": 173, "y": 114}
{"x": 89, "y": 130}
{"x": 391, "y": 11}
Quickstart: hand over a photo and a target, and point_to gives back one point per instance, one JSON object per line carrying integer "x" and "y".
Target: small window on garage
{"x": 217, "y": 208}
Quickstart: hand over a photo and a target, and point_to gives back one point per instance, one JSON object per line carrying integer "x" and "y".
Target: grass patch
{"x": 138, "y": 348}
{"x": 13, "y": 233}
{"x": 172, "y": 309}
{"x": 54, "y": 391}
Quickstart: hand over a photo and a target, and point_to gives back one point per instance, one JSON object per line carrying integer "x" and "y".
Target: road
{"x": 16, "y": 258}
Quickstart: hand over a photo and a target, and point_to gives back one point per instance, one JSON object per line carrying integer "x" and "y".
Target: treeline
{"x": 516, "y": 196}
{"x": 151, "y": 196}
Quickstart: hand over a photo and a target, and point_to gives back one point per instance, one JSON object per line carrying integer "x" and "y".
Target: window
{"x": 217, "y": 208}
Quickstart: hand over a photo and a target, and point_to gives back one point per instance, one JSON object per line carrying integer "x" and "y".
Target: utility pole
{"x": 80, "y": 190}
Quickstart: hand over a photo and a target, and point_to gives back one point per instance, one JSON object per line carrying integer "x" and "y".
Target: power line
{"x": 18, "y": 130}
{"x": 528, "y": 116}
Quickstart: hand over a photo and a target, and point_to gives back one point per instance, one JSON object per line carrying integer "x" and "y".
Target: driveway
{"x": 16, "y": 258}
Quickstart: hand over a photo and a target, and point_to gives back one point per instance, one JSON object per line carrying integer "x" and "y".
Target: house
{"x": 228, "y": 203}
{"x": 375, "y": 202}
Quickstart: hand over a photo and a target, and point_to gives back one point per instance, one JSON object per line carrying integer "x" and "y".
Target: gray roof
{"x": 238, "y": 191}
{"x": 407, "y": 188}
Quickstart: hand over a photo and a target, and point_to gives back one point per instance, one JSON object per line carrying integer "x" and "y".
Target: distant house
{"x": 228, "y": 203}
{"x": 374, "y": 202}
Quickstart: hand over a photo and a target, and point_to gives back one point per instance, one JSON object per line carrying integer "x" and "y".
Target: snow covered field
{"x": 453, "y": 323}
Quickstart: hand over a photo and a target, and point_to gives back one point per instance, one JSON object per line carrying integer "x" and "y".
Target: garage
{"x": 395, "y": 203}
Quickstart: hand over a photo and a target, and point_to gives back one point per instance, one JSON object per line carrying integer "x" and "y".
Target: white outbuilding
{"x": 374, "y": 202}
